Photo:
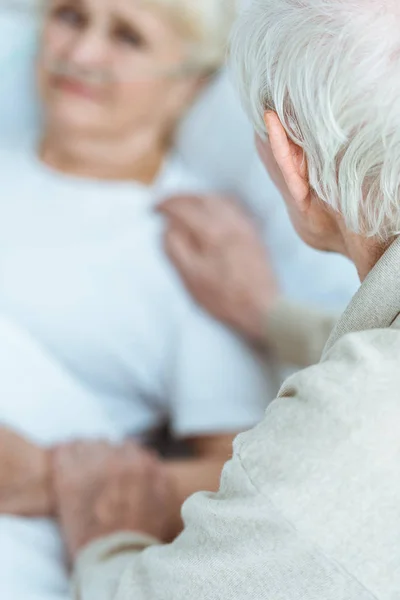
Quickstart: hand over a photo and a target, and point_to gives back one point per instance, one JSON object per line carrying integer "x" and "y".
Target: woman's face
{"x": 106, "y": 67}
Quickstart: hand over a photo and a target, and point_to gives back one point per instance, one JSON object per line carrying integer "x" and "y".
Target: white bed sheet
{"x": 39, "y": 399}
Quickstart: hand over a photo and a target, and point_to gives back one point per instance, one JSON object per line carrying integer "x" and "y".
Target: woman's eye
{"x": 70, "y": 16}
{"x": 129, "y": 37}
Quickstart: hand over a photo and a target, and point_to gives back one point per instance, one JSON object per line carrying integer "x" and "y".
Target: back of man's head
{"x": 330, "y": 69}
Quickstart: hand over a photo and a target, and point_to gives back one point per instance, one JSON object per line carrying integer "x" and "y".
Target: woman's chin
{"x": 70, "y": 107}
{"x": 68, "y": 120}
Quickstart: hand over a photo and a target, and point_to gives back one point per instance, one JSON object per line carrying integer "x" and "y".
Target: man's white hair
{"x": 206, "y": 23}
{"x": 330, "y": 69}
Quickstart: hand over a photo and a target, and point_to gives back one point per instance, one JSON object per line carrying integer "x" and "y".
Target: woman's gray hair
{"x": 330, "y": 69}
{"x": 207, "y": 24}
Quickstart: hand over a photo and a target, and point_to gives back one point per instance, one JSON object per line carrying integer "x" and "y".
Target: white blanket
{"x": 42, "y": 401}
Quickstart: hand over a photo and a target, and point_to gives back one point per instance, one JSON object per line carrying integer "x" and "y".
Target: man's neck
{"x": 137, "y": 158}
{"x": 363, "y": 252}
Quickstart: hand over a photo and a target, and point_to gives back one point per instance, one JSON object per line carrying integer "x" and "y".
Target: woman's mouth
{"x": 77, "y": 88}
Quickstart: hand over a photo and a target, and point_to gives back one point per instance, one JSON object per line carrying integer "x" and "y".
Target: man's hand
{"x": 102, "y": 489}
{"x": 217, "y": 250}
{"x": 25, "y": 481}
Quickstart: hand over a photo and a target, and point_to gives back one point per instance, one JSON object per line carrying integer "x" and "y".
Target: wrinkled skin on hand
{"x": 102, "y": 489}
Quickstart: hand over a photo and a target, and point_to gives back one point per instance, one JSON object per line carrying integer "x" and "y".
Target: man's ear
{"x": 290, "y": 160}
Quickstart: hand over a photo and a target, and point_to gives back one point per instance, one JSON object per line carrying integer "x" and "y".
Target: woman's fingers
{"x": 220, "y": 255}
{"x": 183, "y": 251}
{"x": 192, "y": 214}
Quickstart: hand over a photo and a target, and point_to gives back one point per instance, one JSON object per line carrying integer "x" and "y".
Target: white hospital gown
{"x": 87, "y": 290}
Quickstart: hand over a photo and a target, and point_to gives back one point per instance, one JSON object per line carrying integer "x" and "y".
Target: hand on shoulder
{"x": 218, "y": 251}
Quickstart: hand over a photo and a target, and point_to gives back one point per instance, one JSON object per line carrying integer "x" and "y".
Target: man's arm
{"x": 236, "y": 545}
{"x": 299, "y": 512}
{"x": 297, "y": 334}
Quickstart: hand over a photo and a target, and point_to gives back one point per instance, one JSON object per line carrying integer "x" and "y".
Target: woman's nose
{"x": 88, "y": 48}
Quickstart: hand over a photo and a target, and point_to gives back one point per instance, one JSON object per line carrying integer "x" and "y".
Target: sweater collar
{"x": 377, "y": 303}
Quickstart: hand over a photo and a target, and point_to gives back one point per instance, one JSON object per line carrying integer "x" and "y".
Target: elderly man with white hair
{"x": 308, "y": 507}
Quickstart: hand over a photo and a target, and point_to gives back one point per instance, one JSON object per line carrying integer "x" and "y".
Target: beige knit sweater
{"x": 309, "y": 505}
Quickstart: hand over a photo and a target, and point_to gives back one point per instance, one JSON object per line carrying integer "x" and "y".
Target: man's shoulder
{"x": 361, "y": 355}
{"x": 359, "y": 368}
{"x": 342, "y": 408}
{"x": 327, "y": 452}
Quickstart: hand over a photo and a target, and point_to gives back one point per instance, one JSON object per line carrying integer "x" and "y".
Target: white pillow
{"x": 216, "y": 137}
{"x": 18, "y": 107}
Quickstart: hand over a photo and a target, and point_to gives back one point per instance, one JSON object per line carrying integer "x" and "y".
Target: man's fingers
{"x": 75, "y": 462}
{"x": 131, "y": 450}
{"x": 63, "y": 457}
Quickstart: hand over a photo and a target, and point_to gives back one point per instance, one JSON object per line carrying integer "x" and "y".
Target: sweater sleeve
{"x": 236, "y": 545}
{"x": 297, "y": 334}
{"x": 299, "y": 512}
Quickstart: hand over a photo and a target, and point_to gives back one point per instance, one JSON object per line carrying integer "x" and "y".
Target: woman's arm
{"x": 200, "y": 473}
{"x": 26, "y": 479}
{"x": 25, "y": 476}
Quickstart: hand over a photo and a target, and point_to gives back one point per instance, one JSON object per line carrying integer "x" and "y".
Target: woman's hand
{"x": 25, "y": 482}
{"x": 217, "y": 250}
{"x": 102, "y": 489}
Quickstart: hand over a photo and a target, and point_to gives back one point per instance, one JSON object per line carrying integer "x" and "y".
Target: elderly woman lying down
{"x": 85, "y": 284}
